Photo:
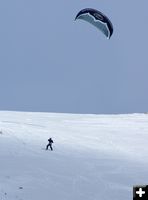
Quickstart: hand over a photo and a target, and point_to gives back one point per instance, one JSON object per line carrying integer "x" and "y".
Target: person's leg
{"x": 51, "y": 148}
{"x": 47, "y": 146}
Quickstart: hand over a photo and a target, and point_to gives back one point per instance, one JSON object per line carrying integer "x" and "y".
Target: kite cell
{"x": 97, "y": 19}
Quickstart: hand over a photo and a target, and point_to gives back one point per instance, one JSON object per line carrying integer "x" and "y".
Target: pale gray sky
{"x": 51, "y": 63}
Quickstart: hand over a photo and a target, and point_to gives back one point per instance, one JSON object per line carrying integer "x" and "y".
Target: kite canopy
{"x": 97, "y": 19}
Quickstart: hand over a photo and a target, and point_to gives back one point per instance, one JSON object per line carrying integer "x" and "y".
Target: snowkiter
{"x": 50, "y": 141}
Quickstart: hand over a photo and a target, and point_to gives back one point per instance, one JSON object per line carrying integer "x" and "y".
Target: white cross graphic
{"x": 140, "y": 192}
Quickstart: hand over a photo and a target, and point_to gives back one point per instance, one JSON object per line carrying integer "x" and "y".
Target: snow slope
{"x": 95, "y": 156}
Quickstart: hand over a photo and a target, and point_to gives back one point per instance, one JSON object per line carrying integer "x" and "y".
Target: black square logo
{"x": 140, "y": 192}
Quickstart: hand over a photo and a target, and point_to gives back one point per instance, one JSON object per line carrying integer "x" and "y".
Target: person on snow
{"x": 50, "y": 141}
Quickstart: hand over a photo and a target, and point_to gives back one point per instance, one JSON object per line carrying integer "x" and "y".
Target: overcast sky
{"x": 51, "y": 63}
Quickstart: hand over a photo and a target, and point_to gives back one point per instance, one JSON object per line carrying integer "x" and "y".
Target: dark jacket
{"x": 50, "y": 141}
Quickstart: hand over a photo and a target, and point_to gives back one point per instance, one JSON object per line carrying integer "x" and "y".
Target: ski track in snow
{"x": 95, "y": 156}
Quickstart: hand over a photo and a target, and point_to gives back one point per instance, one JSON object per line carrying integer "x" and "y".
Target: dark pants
{"x": 49, "y": 145}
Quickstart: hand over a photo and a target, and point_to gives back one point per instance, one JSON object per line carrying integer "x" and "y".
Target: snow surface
{"x": 95, "y": 156}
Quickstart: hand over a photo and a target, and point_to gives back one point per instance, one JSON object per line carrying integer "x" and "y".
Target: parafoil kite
{"x": 98, "y": 19}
